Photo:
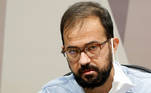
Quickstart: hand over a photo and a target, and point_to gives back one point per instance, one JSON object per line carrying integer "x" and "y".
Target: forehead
{"x": 88, "y": 30}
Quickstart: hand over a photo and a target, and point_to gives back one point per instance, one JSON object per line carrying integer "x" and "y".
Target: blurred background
{"x": 30, "y": 40}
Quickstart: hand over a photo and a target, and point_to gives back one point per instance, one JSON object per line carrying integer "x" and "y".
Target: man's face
{"x": 89, "y": 72}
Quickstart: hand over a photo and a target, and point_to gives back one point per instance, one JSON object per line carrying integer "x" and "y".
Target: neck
{"x": 105, "y": 88}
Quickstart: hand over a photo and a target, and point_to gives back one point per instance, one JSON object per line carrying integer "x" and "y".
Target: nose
{"x": 84, "y": 59}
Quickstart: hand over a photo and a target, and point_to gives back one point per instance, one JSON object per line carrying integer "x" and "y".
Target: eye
{"x": 92, "y": 48}
{"x": 72, "y": 51}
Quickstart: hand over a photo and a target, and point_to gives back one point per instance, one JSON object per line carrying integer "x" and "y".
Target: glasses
{"x": 92, "y": 49}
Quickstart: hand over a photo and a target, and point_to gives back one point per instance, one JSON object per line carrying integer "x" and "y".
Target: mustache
{"x": 87, "y": 67}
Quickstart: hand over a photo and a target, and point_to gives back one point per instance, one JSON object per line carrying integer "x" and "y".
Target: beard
{"x": 92, "y": 81}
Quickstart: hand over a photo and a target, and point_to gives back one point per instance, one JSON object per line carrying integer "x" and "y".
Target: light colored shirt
{"x": 126, "y": 80}
{"x": 121, "y": 83}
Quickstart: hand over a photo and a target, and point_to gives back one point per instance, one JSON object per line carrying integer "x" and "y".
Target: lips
{"x": 88, "y": 71}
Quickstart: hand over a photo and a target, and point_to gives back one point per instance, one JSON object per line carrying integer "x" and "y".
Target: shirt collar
{"x": 121, "y": 83}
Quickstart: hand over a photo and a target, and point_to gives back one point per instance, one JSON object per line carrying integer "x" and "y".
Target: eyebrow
{"x": 70, "y": 46}
{"x": 92, "y": 42}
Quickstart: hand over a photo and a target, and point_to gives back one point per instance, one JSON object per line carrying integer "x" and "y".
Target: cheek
{"x": 106, "y": 53}
{"x": 74, "y": 67}
{"x": 103, "y": 59}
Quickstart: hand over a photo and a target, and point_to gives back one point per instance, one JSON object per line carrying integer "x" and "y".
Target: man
{"x": 89, "y": 46}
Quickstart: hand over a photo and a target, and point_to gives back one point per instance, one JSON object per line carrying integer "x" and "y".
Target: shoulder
{"x": 136, "y": 73}
{"x": 141, "y": 79}
{"x": 64, "y": 84}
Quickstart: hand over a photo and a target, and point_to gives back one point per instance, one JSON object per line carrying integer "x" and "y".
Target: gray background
{"x": 30, "y": 41}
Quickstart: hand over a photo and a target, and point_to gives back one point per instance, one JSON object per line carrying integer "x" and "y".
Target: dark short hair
{"x": 81, "y": 10}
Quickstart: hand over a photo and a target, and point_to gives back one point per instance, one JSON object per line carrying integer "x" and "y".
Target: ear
{"x": 62, "y": 47}
{"x": 62, "y": 50}
{"x": 115, "y": 44}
